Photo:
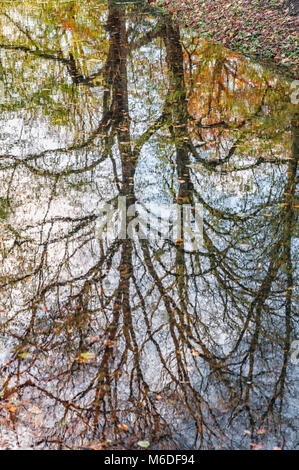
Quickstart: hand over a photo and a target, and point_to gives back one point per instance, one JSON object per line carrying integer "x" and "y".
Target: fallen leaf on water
{"x": 95, "y": 446}
{"x": 9, "y": 407}
{"x": 88, "y": 355}
{"x": 261, "y": 431}
{"x": 143, "y": 444}
{"x": 123, "y": 426}
{"x": 257, "y": 446}
{"x": 24, "y": 355}
{"x": 195, "y": 352}
{"x": 109, "y": 343}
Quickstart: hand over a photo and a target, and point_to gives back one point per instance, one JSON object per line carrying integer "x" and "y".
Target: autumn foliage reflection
{"x": 106, "y": 342}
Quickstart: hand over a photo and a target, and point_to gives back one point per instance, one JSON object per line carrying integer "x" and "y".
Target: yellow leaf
{"x": 261, "y": 431}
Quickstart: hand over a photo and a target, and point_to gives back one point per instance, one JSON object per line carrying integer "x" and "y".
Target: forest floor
{"x": 261, "y": 29}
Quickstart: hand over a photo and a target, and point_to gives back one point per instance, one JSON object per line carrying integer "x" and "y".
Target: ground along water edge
{"x": 107, "y": 341}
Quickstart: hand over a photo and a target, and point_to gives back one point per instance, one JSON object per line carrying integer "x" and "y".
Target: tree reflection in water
{"x": 106, "y": 341}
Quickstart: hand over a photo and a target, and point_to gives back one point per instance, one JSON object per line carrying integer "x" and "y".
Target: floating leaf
{"x": 261, "y": 431}
{"x": 195, "y": 352}
{"x": 109, "y": 343}
{"x": 144, "y": 444}
{"x": 123, "y": 426}
{"x": 9, "y": 407}
{"x": 88, "y": 355}
{"x": 35, "y": 410}
{"x": 24, "y": 355}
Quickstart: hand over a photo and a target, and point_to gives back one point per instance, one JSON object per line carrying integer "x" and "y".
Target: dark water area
{"x": 111, "y": 114}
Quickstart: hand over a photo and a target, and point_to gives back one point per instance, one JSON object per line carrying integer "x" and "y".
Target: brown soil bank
{"x": 264, "y": 29}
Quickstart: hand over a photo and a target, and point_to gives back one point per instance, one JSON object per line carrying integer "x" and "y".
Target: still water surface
{"x": 104, "y": 341}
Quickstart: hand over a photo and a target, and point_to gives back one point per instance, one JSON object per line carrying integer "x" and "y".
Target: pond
{"x": 147, "y": 235}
